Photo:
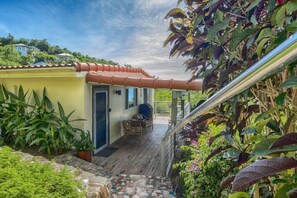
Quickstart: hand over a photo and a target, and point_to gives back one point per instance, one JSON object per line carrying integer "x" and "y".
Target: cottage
{"x": 103, "y": 95}
{"x": 25, "y": 49}
{"x": 65, "y": 57}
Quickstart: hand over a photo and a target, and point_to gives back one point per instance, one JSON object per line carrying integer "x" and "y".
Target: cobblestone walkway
{"x": 140, "y": 186}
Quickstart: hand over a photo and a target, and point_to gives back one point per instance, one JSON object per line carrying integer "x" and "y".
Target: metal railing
{"x": 162, "y": 108}
{"x": 182, "y": 113}
{"x": 282, "y": 55}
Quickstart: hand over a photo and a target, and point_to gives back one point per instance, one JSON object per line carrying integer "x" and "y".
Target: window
{"x": 131, "y": 97}
{"x": 146, "y": 94}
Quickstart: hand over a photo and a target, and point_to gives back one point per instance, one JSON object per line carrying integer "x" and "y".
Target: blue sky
{"x": 125, "y": 31}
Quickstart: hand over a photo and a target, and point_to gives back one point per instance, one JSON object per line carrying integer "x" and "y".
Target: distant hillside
{"x": 10, "y": 56}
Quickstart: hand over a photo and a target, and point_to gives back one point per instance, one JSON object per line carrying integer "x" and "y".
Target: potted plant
{"x": 84, "y": 146}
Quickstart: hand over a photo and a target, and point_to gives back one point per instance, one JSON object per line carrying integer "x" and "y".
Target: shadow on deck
{"x": 136, "y": 157}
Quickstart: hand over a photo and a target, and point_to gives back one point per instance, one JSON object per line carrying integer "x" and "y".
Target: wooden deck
{"x": 137, "y": 157}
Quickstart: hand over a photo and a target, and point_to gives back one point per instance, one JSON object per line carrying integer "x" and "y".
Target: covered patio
{"x": 135, "y": 156}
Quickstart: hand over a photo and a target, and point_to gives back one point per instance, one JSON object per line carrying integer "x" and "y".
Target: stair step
{"x": 134, "y": 186}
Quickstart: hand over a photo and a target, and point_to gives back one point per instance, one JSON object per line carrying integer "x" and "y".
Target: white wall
{"x": 118, "y": 112}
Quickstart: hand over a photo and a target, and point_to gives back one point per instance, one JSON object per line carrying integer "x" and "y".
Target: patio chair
{"x": 146, "y": 110}
{"x": 132, "y": 127}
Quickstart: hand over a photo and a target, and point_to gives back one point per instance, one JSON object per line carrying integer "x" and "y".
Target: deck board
{"x": 135, "y": 156}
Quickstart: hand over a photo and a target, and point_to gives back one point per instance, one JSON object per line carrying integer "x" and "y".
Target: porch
{"x": 135, "y": 156}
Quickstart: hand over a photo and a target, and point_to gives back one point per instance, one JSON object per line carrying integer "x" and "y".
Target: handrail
{"x": 282, "y": 55}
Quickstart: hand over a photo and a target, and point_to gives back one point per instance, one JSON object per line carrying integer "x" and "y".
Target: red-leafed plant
{"x": 221, "y": 39}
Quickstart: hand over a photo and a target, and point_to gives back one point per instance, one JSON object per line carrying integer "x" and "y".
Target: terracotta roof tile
{"x": 35, "y": 66}
{"x": 117, "y": 75}
{"x": 122, "y": 71}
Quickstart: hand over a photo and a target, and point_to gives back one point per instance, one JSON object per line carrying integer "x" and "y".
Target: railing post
{"x": 174, "y": 108}
{"x": 163, "y": 158}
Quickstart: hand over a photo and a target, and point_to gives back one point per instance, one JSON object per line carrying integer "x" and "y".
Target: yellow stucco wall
{"x": 67, "y": 89}
{"x": 71, "y": 90}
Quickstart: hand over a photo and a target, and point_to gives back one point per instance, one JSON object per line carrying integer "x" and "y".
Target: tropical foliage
{"x": 84, "y": 142}
{"x": 202, "y": 179}
{"x": 222, "y": 38}
{"x": 29, "y": 179}
{"x": 26, "y": 123}
{"x": 47, "y": 53}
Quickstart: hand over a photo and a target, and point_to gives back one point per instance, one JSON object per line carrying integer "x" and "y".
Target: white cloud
{"x": 146, "y": 44}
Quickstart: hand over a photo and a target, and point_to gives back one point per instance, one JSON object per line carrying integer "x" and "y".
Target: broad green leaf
{"x": 261, "y": 46}
{"x": 291, "y": 6}
{"x": 292, "y": 27}
{"x": 197, "y": 21}
{"x": 266, "y": 114}
{"x": 291, "y": 82}
{"x": 44, "y": 92}
{"x": 282, "y": 192}
{"x": 249, "y": 131}
{"x": 254, "y": 20}
{"x": 271, "y": 5}
{"x": 263, "y": 148}
{"x": 209, "y": 4}
{"x": 36, "y": 99}
{"x": 255, "y": 138}
{"x": 21, "y": 92}
{"x": 176, "y": 13}
{"x": 279, "y": 181}
{"x": 2, "y": 94}
{"x": 253, "y": 4}
{"x": 48, "y": 102}
{"x": 266, "y": 32}
{"x": 239, "y": 36}
{"x": 280, "y": 99}
{"x": 61, "y": 111}
{"x": 239, "y": 195}
{"x": 272, "y": 124}
{"x": 219, "y": 16}
{"x": 261, "y": 124}
{"x": 231, "y": 153}
{"x": 280, "y": 17}
{"x": 216, "y": 28}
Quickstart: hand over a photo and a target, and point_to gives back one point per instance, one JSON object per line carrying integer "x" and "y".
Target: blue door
{"x": 100, "y": 119}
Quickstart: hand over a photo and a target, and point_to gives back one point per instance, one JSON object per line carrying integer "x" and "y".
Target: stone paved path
{"x": 140, "y": 186}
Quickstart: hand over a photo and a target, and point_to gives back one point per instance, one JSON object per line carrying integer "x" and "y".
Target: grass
{"x": 28, "y": 179}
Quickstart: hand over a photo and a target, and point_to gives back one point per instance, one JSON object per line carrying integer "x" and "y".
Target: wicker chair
{"x": 145, "y": 123}
{"x": 146, "y": 110}
{"x": 132, "y": 127}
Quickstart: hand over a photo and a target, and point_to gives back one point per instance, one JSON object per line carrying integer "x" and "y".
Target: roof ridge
{"x": 109, "y": 68}
{"x": 79, "y": 67}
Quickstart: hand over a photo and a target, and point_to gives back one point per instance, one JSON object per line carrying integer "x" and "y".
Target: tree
{"x": 9, "y": 56}
{"x": 222, "y": 38}
{"x": 8, "y": 40}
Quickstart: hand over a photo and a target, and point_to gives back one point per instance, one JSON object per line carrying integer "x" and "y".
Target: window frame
{"x": 128, "y": 104}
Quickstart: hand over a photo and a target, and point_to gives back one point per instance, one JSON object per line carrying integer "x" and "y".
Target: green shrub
{"x": 24, "y": 123}
{"x": 203, "y": 180}
{"x": 26, "y": 179}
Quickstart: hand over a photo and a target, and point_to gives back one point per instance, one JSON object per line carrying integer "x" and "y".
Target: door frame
{"x": 100, "y": 89}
